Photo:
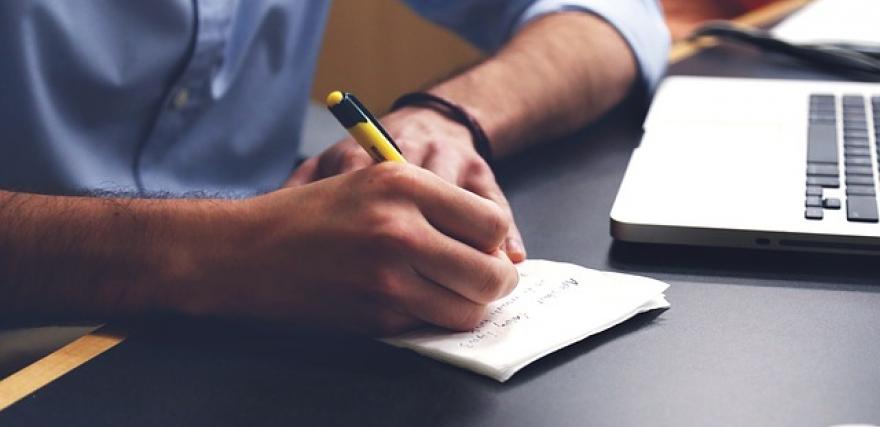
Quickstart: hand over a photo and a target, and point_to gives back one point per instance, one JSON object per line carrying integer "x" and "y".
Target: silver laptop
{"x": 754, "y": 163}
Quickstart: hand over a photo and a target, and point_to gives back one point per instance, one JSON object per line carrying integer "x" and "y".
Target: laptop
{"x": 755, "y": 163}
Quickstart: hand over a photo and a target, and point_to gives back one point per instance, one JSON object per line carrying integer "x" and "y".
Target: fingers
{"x": 446, "y": 166}
{"x": 477, "y": 177}
{"x": 304, "y": 174}
{"x": 426, "y": 300}
{"x": 482, "y": 182}
{"x": 347, "y": 156}
{"x": 455, "y": 212}
{"x": 477, "y": 276}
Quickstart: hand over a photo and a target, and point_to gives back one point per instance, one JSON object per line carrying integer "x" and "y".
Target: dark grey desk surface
{"x": 752, "y": 338}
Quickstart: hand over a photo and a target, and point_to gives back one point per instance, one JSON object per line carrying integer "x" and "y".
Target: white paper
{"x": 555, "y": 304}
{"x": 849, "y": 21}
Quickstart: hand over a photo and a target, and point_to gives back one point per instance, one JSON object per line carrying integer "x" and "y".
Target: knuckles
{"x": 390, "y": 222}
{"x": 393, "y": 178}
{"x": 386, "y": 284}
{"x": 390, "y": 229}
{"x": 478, "y": 169}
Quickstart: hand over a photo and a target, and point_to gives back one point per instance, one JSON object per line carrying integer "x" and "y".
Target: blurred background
{"x": 400, "y": 51}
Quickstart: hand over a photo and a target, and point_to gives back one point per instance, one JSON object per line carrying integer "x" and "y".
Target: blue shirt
{"x": 202, "y": 95}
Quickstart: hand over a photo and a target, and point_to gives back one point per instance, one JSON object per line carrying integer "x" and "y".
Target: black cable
{"x": 860, "y": 62}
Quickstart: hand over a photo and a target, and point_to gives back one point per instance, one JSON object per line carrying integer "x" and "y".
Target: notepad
{"x": 555, "y": 305}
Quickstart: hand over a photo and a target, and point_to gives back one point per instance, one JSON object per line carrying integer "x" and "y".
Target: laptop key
{"x": 814, "y": 213}
{"x": 831, "y": 203}
{"x": 859, "y": 170}
{"x": 859, "y": 180}
{"x": 856, "y": 151}
{"x": 822, "y": 144}
{"x": 824, "y": 181}
{"x": 860, "y": 190}
{"x": 813, "y": 201}
{"x": 814, "y": 190}
{"x": 861, "y": 209}
{"x": 822, "y": 120}
{"x": 822, "y": 169}
{"x": 855, "y": 133}
{"x": 855, "y": 142}
{"x": 858, "y": 161}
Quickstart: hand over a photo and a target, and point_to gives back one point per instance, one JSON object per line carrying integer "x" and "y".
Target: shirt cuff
{"x": 640, "y": 22}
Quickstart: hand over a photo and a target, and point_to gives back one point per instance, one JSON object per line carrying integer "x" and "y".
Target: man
{"x": 172, "y": 97}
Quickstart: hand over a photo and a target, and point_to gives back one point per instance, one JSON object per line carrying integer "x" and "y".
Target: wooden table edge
{"x": 36, "y": 375}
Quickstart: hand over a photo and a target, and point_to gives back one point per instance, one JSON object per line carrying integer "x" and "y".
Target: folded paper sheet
{"x": 555, "y": 305}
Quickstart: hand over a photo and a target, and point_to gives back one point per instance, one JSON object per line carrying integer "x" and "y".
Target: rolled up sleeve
{"x": 488, "y": 24}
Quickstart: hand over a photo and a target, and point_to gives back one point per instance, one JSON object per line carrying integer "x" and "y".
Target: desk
{"x": 752, "y": 338}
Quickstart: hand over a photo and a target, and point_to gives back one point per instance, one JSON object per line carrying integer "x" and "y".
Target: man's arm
{"x": 376, "y": 251}
{"x": 555, "y": 75}
{"x": 76, "y": 257}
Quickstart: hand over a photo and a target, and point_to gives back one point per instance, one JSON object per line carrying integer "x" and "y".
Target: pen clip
{"x": 375, "y": 122}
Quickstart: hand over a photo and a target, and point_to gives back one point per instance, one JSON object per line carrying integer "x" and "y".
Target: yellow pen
{"x": 365, "y": 129}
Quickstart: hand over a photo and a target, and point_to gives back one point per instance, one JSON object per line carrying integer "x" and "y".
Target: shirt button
{"x": 180, "y": 99}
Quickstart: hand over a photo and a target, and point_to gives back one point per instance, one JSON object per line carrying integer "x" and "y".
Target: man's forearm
{"x": 89, "y": 257}
{"x": 557, "y": 74}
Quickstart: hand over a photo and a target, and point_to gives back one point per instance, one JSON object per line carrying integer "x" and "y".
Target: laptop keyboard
{"x": 823, "y": 155}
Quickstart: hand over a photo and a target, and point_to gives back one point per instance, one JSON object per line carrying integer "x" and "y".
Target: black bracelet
{"x": 452, "y": 111}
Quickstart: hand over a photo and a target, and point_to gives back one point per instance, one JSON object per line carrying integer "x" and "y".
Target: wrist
{"x": 201, "y": 241}
{"x": 454, "y": 112}
{"x": 422, "y": 123}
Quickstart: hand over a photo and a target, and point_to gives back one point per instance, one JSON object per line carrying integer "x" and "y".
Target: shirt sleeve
{"x": 489, "y": 23}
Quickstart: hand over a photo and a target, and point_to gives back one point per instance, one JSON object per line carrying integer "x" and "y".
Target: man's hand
{"x": 556, "y": 74}
{"x": 377, "y": 251}
{"x": 430, "y": 140}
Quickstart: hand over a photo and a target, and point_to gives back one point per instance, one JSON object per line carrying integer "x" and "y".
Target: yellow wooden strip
{"x": 53, "y": 366}
{"x": 757, "y": 17}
